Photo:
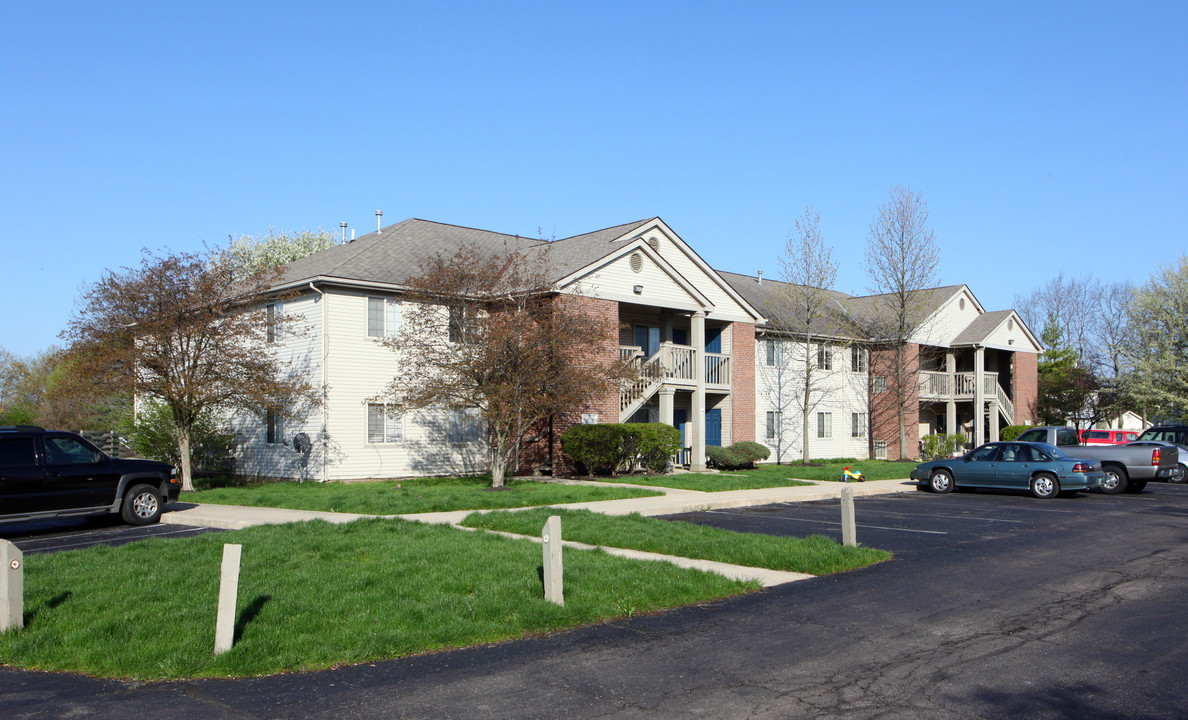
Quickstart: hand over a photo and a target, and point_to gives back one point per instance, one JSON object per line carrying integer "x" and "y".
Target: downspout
{"x": 325, "y": 360}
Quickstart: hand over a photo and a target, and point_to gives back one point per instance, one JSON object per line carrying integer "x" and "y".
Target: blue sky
{"x": 1046, "y": 137}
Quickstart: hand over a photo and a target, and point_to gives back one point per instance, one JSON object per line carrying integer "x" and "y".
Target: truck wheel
{"x": 1180, "y": 474}
{"x": 940, "y": 482}
{"x": 1136, "y": 486}
{"x": 1045, "y": 486}
{"x": 1115, "y": 480}
{"x": 142, "y": 505}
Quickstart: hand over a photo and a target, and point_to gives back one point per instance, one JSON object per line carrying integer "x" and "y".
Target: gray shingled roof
{"x": 981, "y": 327}
{"x": 399, "y": 251}
{"x": 766, "y": 298}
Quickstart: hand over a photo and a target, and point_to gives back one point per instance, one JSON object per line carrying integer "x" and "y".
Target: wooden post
{"x": 12, "y": 587}
{"x": 849, "y": 529}
{"x": 551, "y": 537}
{"x": 228, "y": 592}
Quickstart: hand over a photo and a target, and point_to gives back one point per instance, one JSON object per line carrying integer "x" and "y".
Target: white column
{"x": 993, "y": 421}
{"x": 951, "y": 404}
{"x": 696, "y": 426}
{"x": 666, "y": 397}
{"x": 979, "y": 397}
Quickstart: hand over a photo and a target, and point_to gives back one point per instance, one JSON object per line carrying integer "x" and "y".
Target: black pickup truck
{"x": 47, "y": 474}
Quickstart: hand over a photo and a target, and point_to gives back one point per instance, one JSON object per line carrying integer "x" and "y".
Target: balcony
{"x": 962, "y": 386}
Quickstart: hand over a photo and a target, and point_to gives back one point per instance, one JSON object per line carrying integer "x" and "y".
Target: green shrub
{"x": 652, "y": 445}
{"x": 753, "y": 450}
{"x": 618, "y": 447}
{"x": 1010, "y": 432}
{"x": 154, "y": 437}
{"x": 595, "y": 449}
{"x": 738, "y": 456}
{"x": 934, "y": 447}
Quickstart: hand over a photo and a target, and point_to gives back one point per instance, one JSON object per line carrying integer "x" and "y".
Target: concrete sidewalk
{"x": 674, "y": 501}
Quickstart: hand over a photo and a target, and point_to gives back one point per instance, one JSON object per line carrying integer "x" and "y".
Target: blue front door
{"x": 713, "y": 340}
{"x": 713, "y": 427}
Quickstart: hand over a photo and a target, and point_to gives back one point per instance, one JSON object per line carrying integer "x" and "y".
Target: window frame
{"x": 390, "y": 421}
{"x": 775, "y": 424}
{"x": 859, "y": 360}
{"x": 857, "y": 424}
{"x": 824, "y": 425}
{"x": 824, "y": 356}
{"x": 390, "y": 320}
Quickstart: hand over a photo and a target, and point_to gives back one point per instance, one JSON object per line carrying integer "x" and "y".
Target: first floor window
{"x": 858, "y": 425}
{"x": 464, "y": 425}
{"x": 383, "y": 425}
{"x": 775, "y": 421}
{"x": 275, "y": 432}
{"x": 880, "y": 448}
{"x": 824, "y": 425}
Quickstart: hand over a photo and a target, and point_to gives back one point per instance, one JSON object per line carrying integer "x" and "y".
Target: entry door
{"x": 680, "y": 418}
{"x": 713, "y": 426}
{"x": 648, "y": 338}
{"x": 713, "y": 340}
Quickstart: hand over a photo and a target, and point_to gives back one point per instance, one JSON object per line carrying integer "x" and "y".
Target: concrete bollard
{"x": 551, "y": 537}
{"x": 849, "y": 528}
{"x": 228, "y": 592}
{"x": 12, "y": 587}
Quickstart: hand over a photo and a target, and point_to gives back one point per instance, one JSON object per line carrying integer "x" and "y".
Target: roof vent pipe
{"x": 352, "y": 234}
{"x": 378, "y": 214}
{"x": 343, "y": 226}
{"x": 760, "y": 277}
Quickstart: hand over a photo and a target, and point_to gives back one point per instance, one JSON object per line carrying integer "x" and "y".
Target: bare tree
{"x": 800, "y": 310}
{"x": 487, "y": 331}
{"x": 901, "y": 260}
{"x": 191, "y": 331}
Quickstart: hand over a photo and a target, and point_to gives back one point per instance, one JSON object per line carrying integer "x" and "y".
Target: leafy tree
{"x": 486, "y": 330}
{"x": 154, "y": 435}
{"x": 277, "y": 248}
{"x": 1067, "y": 390}
{"x": 189, "y": 331}
{"x": 1157, "y": 343}
{"x": 901, "y": 260}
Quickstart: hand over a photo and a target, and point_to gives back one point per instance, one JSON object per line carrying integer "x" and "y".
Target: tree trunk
{"x": 900, "y": 393}
{"x": 183, "y": 447}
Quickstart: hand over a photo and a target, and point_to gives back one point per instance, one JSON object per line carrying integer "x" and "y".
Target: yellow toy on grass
{"x": 855, "y": 475}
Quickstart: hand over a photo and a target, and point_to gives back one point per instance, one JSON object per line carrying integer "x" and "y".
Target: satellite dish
{"x": 302, "y": 443}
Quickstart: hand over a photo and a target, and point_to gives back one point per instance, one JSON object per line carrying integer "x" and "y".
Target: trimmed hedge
{"x": 937, "y": 446}
{"x": 1010, "y": 432}
{"x": 739, "y": 456}
{"x": 612, "y": 448}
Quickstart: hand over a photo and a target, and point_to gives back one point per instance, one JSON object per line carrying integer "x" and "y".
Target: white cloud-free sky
{"x": 1046, "y": 137}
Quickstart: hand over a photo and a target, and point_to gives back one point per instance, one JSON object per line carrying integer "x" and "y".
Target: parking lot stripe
{"x": 828, "y": 522}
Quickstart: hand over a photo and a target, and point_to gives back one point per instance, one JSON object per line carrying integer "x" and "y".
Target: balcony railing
{"x": 961, "y": 386}
{"x": 717, "y": 369}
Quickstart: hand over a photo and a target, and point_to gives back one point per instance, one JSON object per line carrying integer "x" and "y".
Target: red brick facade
{"x": 742, "y": 390}
{"x": 1026, "y": 387}
{"x": 884, "y": 415}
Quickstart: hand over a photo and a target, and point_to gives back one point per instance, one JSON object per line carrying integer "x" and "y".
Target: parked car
{"x": 47, "y": 474}
{"x": 1045, "y": 470}
{"x": 1107, "y": 437}
{"x": 1128, "y": 468}
{"x": 1176, "y": 435}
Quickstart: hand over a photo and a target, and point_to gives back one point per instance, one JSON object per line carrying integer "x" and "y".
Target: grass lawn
{"x": 396, "y": 497}
{"x": 831, "y": 469}
{"x": 314, "y": 595}
{"x": 816, "y": 555}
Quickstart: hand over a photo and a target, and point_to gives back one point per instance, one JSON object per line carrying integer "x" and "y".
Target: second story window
{"x": 273, "y": 329}
{"x": 824, "y": 357}
{"x": 383, "y": 317}
{"x": 858, "y": 361}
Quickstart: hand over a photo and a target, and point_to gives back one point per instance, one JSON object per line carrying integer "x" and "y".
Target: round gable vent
{"x": 961, "y": 303}
{"x": 1011, "y": 324}
{"x": 636, "y": 262}
{"x": 655, "y": 243}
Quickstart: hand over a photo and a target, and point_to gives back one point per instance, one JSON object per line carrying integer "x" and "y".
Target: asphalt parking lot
{"x": 920, "y": 522}
{"x": 77, "y": 533}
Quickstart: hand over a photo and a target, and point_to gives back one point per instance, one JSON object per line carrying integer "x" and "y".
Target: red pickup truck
{"x": 1108, "y": 437}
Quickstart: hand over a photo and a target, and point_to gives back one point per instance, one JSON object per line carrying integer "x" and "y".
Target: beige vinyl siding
{"x": 949, "y": 320}
{"x": 678, "y": 255}
{"x": 1009, "y": 335}
{"x": 616, "y": 280}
